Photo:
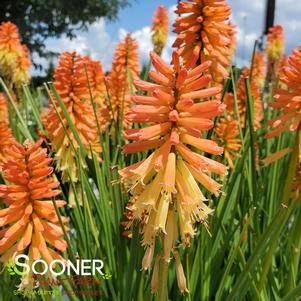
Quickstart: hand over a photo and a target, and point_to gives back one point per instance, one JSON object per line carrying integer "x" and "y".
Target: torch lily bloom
{"x": 274, "y": 49}
{"x": 29, "y": 221}
{"x": 204, "y": 33}
{"x": 10, "y": 48}
{"x": 227, "y": 132}
{"x": 125, "y": 69}
{"x": 21, "y": 75}
{"x": 288, "y": 102}
{"x": 275, "y": 43}
{"x": 71, "y": 83}
{"x": 160, "y": 28}
{"x": 166, "y": 195}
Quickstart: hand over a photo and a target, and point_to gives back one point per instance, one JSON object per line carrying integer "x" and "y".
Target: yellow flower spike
{"x": 21, "y": 75}
{"x": 275, "y": 43}
{"x": 10, "y": 49}
{"x": 160, "y": 29}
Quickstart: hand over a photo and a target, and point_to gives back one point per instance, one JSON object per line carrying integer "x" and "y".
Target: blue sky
{"x": 102, "y": 36}
{"x": 137, "y": 15}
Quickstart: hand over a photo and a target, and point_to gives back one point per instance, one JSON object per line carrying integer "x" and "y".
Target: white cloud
{"x": 95, "y": 42}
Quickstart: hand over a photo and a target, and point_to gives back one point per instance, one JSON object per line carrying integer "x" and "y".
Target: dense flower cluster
{"x": 166, "y": 195}
{"x": 125, "y": 69}
{"x": 30, "y": 222}
{"x": 70, "y": 81}
{"x": 160, "y": 28}
{"x": 14, "y": 58}
{"x": 204, "y": 33}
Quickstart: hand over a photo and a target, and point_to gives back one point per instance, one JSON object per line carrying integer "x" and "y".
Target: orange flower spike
{"x": 5, "y": 140}
{"x": 3, "y": 108}
{"x": 204, "y": 33}
{"x": 10, "y": 48}
{"x": 29, "y": 215}
{"x": 170, "y": 174}
{"x": 71, "y": 83}
{"x": 21, "y": 75}
{"x": 288, "y": 102}
{"x": 227, "y": 132}
{"x": 160, "y": 29}
{"x": 125, "y": 68}
{"x": 275, "y": 43}
{"x": 259, "y": 69}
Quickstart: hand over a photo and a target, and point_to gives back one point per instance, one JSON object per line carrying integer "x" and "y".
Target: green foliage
{"x": 253, "y": 252}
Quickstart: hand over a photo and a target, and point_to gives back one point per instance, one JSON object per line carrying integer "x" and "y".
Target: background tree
{"x": 38, "y": 20}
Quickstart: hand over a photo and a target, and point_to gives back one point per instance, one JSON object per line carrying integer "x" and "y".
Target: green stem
{"x": 163, "y": 284}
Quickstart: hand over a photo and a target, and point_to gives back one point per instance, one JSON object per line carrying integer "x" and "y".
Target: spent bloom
{"x": 125, "y": 69}
{"x": 29, "y": 221}
{"x": 166, "y": 197}
{"x": 227, "y": 132}
{"x": 288, "y": 102}
{"x": 160, "y": 29}
{"x": 204, "y": 33}
{"x": 70, "y": 81}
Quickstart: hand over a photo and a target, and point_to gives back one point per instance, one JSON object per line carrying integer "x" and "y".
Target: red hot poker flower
{"x": 29, "y": 220}
{"x": 204, "y": 33}
{"x": 167, "y": 179}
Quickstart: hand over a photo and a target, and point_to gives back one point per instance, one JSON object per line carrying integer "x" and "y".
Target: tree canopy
{"x": 38, "y": 20}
